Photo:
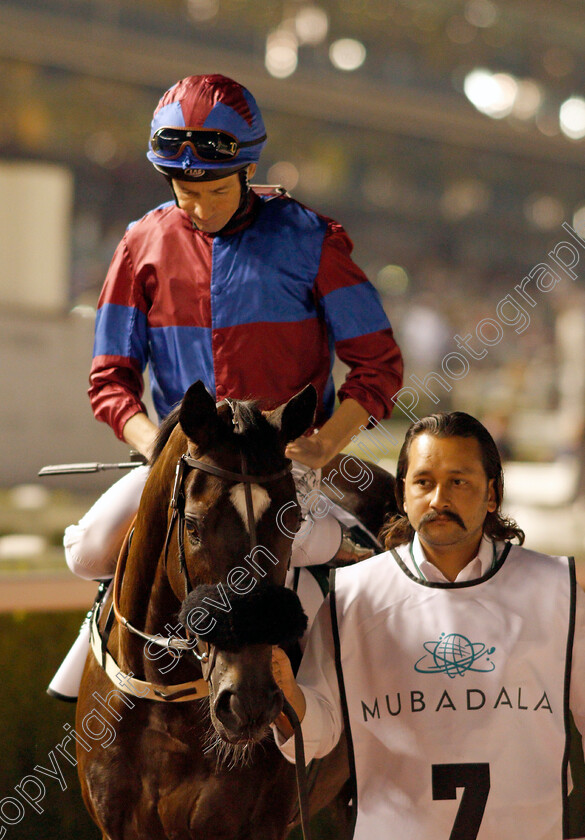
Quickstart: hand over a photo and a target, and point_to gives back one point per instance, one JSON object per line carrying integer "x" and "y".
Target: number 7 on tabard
{"x": 475, "y": 781}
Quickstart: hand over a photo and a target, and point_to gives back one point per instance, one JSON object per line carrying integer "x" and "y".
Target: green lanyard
{"x": 416, "y": 566}
{"x": 424, "y": 577}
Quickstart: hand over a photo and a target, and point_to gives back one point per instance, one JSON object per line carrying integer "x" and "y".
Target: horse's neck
{"x": 151, "y": 609}
{"x": 146, "y": 597}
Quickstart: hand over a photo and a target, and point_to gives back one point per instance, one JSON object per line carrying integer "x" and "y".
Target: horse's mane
{"x": 252, "y": 421}
{"x": 164, "y": 433}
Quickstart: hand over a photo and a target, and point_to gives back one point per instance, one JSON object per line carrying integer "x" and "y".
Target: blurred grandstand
{"x": 446, "y": 135}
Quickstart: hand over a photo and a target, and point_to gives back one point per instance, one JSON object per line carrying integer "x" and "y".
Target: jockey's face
{"x": 446, "y": 493}
{"x": 210, "y": 204}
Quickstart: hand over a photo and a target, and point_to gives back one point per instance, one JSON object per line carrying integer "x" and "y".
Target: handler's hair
{"x": 443, "y": 425}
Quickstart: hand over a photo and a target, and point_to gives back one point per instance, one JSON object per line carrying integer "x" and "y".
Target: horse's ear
{"x": 198, "y": 415}
{"x": 294, "y": 417}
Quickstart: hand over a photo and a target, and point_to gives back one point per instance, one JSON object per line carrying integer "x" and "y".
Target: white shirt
{"x": 322, "y": 724}
{"x": 423, "y": 568}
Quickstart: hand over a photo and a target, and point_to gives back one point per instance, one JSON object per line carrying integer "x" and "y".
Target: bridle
{"x": 179, "y": 645}
{"x": 177, "y": 504}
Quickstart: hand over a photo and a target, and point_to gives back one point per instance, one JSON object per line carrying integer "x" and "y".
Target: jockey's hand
{"x": 317, "y": 450}
{"x": 310, "y": 451}
{"x": 140, "y": 433}
{"x": 285, "y": 680}
{"x": 349, "y": 551}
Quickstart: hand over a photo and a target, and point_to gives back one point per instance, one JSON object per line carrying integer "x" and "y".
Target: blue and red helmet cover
{"x": 210, "y": 101}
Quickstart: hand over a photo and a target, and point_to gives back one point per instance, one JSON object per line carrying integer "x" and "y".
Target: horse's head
{"x": 238, "y": 513}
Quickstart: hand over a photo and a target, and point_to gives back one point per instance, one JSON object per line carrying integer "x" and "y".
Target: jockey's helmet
{"x": 205, "y": 128}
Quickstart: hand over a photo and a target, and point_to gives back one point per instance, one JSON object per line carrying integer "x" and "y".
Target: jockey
{"x": 243, "y": 288}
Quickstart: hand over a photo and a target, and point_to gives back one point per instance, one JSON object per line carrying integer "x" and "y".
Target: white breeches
{"x": 93, "y": 544}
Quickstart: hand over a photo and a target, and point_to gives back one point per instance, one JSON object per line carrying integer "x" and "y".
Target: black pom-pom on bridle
{"x": 267, "y": 615}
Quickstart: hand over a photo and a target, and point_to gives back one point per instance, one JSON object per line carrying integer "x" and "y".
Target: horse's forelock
{"x": 259, "y": 436}
{"x": 249, "y": 414}
{"x": 255, "y": 428}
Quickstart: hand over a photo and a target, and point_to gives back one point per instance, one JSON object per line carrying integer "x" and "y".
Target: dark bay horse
{"x": 162, "y": 753}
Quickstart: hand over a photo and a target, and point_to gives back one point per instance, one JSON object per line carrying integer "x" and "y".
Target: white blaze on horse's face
{"x": 260, "y": 501}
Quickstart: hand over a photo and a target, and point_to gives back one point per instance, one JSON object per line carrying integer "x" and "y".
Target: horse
{"x": 173, "y": 729}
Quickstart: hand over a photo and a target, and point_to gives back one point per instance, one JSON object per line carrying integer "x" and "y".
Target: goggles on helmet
{"x": 208, "y": 144}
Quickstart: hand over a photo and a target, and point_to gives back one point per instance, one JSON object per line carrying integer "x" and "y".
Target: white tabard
{"x": 456, "y": 697}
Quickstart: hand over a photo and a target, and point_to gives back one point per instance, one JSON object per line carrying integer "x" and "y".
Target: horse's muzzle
{"x": 245, "y": 713}
{"x": 244, "y": 697}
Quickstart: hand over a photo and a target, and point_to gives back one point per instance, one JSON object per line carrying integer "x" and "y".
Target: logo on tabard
{"x": 194, "y": 173}
{"x": 455, "y": 655}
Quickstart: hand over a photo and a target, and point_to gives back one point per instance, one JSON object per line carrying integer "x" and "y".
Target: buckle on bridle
{"x": 178, "y": 485}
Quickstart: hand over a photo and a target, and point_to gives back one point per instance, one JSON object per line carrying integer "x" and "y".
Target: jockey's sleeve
{"x": 120, "y": 346}
{"x": 358, "y": 326}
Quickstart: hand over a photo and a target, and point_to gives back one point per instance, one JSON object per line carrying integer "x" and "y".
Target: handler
{"x": 452, "y": 659}
{"x": 245, "y": 289}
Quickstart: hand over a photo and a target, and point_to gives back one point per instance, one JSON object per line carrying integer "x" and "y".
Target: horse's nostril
{"x": 223, "y": 707}
{"x": 236, "y": 714}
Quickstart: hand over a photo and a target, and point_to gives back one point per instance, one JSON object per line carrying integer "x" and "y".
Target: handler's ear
{"x": 297, "y": 415}
{"x": 492, "y": 499}
{"x": 198, "y": 416}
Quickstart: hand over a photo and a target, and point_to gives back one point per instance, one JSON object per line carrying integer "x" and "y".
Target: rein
{"x": 128, "y": 683}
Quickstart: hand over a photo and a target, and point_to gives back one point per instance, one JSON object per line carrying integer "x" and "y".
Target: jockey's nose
{"x": 203, "y": 209}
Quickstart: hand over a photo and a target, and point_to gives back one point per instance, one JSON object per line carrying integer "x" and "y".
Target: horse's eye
{"x": 192, "y": 528}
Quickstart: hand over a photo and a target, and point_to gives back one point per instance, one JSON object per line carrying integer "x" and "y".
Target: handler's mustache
{"x": 445, "y": 514}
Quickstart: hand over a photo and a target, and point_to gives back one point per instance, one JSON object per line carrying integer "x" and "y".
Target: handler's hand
{"x": 285, "y": 680}
{"x": 282, "y": 672}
